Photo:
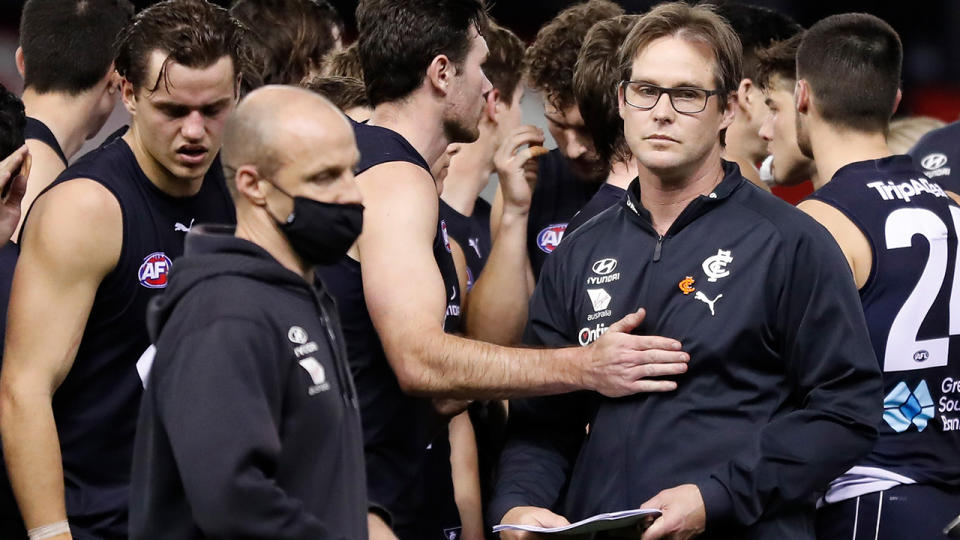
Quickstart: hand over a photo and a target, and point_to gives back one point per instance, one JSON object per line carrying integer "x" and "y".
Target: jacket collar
{"x": 732, "y": 180}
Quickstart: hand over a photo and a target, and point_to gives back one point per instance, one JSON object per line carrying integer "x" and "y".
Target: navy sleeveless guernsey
{"x": 912, "y": 305}
{"x": 96, "y": 406}
{"x": 400, "y": 431}
{"x": 39, "y": 131}
{"x": 472, "y": 233}
{"x": 559, "y": 194}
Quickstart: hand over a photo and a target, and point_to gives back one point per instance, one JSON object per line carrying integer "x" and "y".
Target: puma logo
{"x": 180, "y": 227}
{"x": 703, "y": 298}
{"x": 475, "y": 244}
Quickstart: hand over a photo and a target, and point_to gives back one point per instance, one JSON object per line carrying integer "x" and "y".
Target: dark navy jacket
{"x": 938, "y": 153}
{"x": 250, "y": 426}
{"x": 782, "y": 391}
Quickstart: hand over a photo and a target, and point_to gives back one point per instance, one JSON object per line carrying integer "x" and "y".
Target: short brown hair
{"x": 698, "y": 23}
{"x": 549, "y": 63}
{"x": 504, "y": 64}
{"x": 852, "y": 64}
{"x": 595, "y": 83}
{"x": 345, "y": 92}
{"x": 344, "y": 63}
{"x": 779, "y": 59}
{"x": 193, "y": 33}
{"x": 287, "y": 38}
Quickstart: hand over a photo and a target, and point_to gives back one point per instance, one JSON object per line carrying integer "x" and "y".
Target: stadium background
{"x": 931, "y": 75}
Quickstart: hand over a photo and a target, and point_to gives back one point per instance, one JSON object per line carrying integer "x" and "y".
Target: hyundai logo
{"x": 604, "y": 266}
{"x": 933, "y": 161}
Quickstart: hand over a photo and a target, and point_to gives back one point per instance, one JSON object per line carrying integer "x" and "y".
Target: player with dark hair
{"x": 97, "y": 246}
{"x": 782, "y": 391}
{"x": 68, "y": 95}
{"x": 347, "y": 93}
{"x": 757, "y": 28}
{"x": 288, "y": 39}
{"x": 597, "y": 73}
{"x": 398, "y": 292}
{"x": 898, "y": 231}
{"x": 776, "y": 78}
{"x": 528, "y": 220}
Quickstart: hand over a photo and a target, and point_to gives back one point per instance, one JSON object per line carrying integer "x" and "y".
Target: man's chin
{"x": 589, "y": 171}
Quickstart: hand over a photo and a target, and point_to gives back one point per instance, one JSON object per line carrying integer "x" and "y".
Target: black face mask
{"x": 321, "y": 233}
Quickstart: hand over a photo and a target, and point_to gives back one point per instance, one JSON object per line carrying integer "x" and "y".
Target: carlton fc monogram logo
{"x": 715, "y": 267}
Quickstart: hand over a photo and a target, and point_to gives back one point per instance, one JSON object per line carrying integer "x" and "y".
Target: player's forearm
{"x": 498, "y": 301}
{"x": 32, "y": 453}
{"x": 445, "y": 365}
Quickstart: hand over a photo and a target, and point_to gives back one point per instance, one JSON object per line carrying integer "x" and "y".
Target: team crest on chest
{"x": 154, "y": 269}
{"x": 715, "y": 267}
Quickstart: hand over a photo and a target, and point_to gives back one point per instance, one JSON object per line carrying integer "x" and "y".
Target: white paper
{"x": 599, "y": 522}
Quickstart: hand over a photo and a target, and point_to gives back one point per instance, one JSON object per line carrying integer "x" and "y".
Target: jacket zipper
{"x": 656, "y": 250}
{"x": 347, "y": 392}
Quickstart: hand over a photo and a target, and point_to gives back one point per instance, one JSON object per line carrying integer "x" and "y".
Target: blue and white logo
{"x": 902, "y": 407}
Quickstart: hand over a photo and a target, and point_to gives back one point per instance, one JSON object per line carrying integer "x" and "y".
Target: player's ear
{"x": 494, "y": 106}
{"x": 743, "y": 93}
{"x": 801, "y": 96}
{"x": 18, "y": 59}
{"x": 440, "y": 72}
{"x": 128, "y": 95}
{"x": 896, "y": 101}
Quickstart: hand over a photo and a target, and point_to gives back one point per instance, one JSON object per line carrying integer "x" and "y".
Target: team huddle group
{"x": 275, "y": 306}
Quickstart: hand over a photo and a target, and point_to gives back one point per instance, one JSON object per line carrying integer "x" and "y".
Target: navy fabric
{"x": 911, "y": 225}
{"x": 37, "y": 130}
{"x": 398, "y": 429}
{"x": 96, "y": 406}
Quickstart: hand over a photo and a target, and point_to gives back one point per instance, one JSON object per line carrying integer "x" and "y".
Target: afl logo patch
{"x": 153, "y": 271}
{"x": 443, "y": 232}
{"x": 549, "y": 238}
{"x": 933, "y": 161}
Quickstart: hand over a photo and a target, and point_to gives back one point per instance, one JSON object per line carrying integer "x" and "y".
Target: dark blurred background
{"x": 928, "y": 28}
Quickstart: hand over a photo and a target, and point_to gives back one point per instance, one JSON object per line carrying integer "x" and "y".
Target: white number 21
{"x": 904, "y": 351}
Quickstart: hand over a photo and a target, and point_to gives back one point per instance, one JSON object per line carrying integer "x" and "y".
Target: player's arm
{"x": 71, "y": 241}
{"x": 407, "y": 302}
{"x": 45, "y": 168}
{"x": 498, "y": 308}
{"x": 855, "y": 246}
{"x": 464, "y": 466}
{"x": 836, "y": 383}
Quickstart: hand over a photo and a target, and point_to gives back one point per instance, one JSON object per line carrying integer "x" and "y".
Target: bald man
{"x": 250, "y": 426}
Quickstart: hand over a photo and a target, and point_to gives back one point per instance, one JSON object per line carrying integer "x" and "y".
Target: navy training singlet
{"x": 911, "y": 301}
{"x": 39, "y": 131}
{"x": 559, "y": 194}
{"x": 96, "y": 406}
{"x": 472, "y": 233}
{"x": 398, "y": 428}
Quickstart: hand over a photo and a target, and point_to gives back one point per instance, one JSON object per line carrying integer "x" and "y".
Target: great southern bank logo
{"x": 903, "y": 408}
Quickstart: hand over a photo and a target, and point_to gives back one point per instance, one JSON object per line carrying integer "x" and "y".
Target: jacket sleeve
{"x": 837, "y": 391}
{"x": 220, "y": 401}
{"x": 544, "y": 434}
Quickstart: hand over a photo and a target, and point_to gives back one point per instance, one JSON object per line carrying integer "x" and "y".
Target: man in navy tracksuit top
{"x": 250, "y": 426}
{"x": 938, "y": 152}
{"x": 898, "y": 230}
{"x": 782, "y": 390}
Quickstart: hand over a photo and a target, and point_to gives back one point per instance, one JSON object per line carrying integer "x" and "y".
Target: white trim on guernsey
{"x": 861, "y": 481}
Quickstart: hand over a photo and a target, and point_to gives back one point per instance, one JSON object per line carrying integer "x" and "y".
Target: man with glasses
{"x": 783, "y": 389}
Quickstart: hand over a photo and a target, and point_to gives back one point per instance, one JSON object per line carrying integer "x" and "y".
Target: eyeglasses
{"x": 683, "y": 99}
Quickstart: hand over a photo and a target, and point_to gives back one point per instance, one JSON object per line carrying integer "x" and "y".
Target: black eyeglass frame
{"x": 669, "y": 91}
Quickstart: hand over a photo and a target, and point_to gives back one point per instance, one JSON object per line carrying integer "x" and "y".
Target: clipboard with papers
{"x": 592, "y": 524}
